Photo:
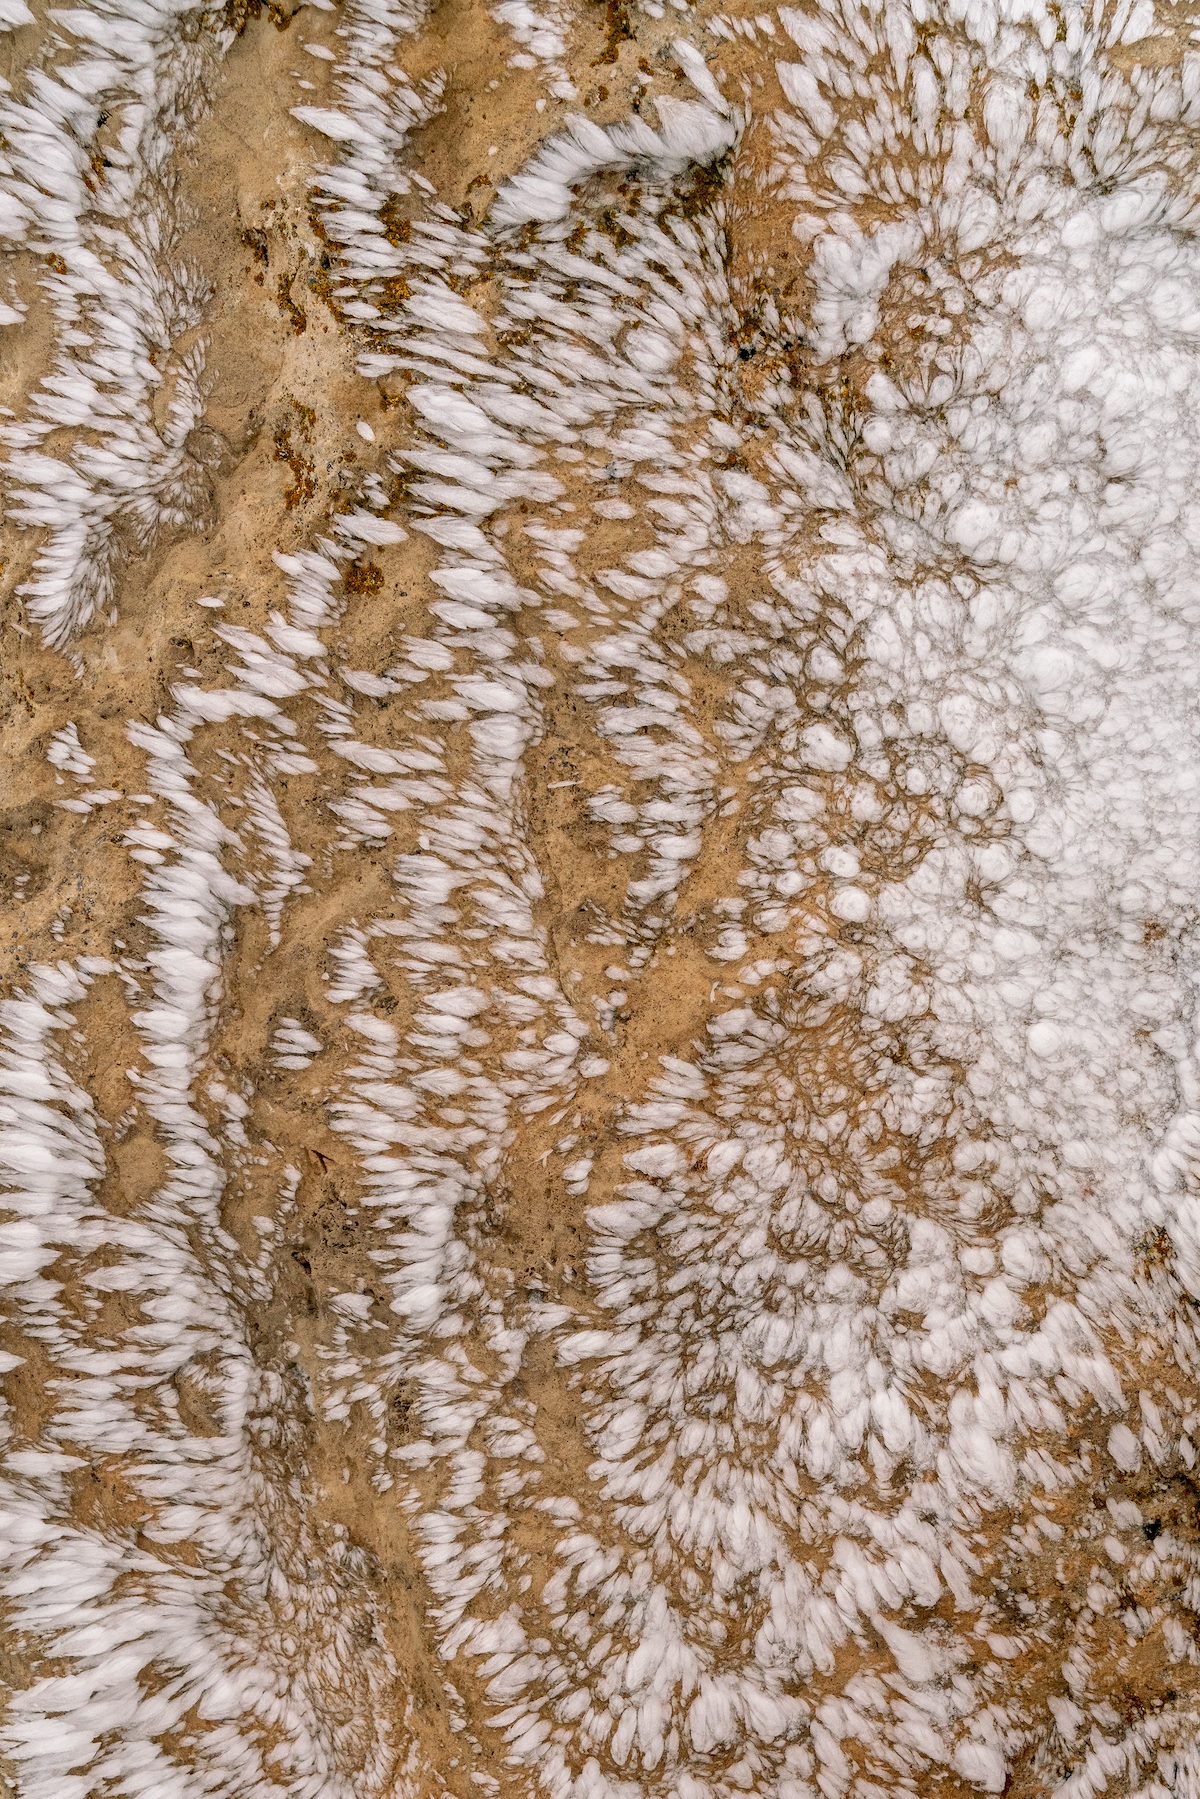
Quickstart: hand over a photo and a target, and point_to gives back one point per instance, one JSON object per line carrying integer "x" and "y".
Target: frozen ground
{"x": 599, "y": 1085}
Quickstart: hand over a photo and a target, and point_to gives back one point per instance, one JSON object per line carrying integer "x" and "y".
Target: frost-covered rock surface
{"x": 600, "y": 984}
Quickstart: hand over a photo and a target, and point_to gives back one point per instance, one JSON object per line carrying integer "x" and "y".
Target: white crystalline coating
{"x": 700, "y": 76}
{"x": 67, "y": 753}
{"x": 691, "y": 132}
{"x": 120, "y": 301}
{"x": 543, "y": 32}
{"x": 837, "y": 665}
{"x": 293, "y": 1045}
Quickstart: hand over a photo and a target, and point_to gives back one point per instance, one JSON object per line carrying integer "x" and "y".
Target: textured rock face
{"x": 599, "y": 1104}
